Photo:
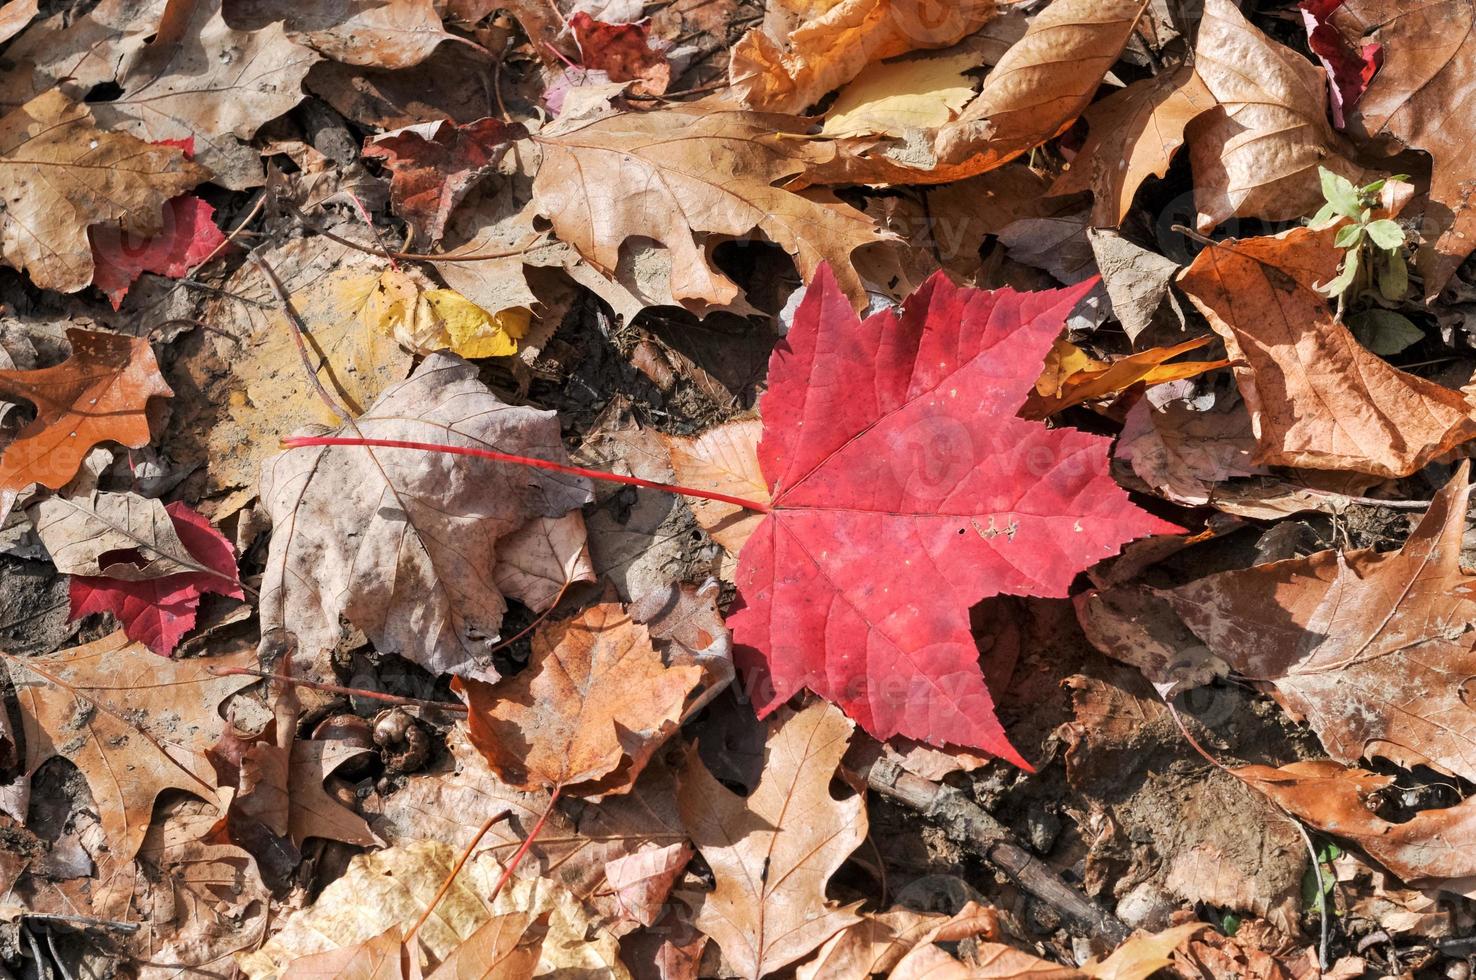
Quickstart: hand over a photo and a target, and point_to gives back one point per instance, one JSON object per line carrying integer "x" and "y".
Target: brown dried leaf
{"x": 679, "y": 174}
{"x": 1258, "y": 153}
{"x": 79, "y": 531}
{"x": 1133, "y": 135}
{"x": 373, "y": 33}
{"x": 134, "y": 725}
{"x": 1415, "y": 101}
{"x": 1183, "y": 451}
{"x": 1317, "y": 398}
{"x": 1375, "y": 650}
{"x": 585, "y": 716}
{"x": 773, "y": 852}
{"x": 724, "y": 459}
{"x": 402, "y": 542}
{"x": 1040, "y": 86}
{"x": 1434, "y": 849}
{"x": 786, "y": 66}
{"x": 60, "y": 173}
{"x": 879, "y": 941}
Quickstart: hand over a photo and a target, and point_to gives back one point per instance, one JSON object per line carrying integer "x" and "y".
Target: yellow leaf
{"x": 1070, "y": 377}
{"x": 473, "y": 331}
{"x": 892, "y": 98}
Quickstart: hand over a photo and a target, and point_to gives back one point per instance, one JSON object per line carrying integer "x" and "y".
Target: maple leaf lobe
{"x": 905, "y": 489}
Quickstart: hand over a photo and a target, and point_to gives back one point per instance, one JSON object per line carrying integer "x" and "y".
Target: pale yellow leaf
{"x": 892, "y": 98}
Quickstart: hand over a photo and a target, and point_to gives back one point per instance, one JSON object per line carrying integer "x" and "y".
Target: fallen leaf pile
{"x": 737, "y": 488}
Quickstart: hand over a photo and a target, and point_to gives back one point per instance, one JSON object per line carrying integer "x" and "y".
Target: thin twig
{"x": 512, "y": 865}
{"x": 1321, "y": 893}
{"x": 298, "y": 330}
{"x": 56, "y": 957}
{"x": 446, "y": 885}
{"x": 295, "y": 442}
{"x": 356, "y": 692}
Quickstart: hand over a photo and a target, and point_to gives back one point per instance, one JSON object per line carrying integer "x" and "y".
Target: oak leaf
{"x": 60, "y": 173}
{"x": 683, "y": 173}
{"x": 588, "y": 712}
{"x": 903, "y": 491}
{"x": 401, "y": 543}
{"x": 1429, "y": 53}
{"x": 1373, "y": 649}
{"x": 188, "y": 238}
{"x": 157, "y": 610}
{"x": 134, "y": 725}
{"x": 1258, "y": 153}
{"x": 1317, "y": 398}
{"x": 98, "y": 394}
{"x": 773, "y": 852}
{"x": 218, "y": 87}
{"x": 434, "y": 165}
{"x": 788, "y": 65}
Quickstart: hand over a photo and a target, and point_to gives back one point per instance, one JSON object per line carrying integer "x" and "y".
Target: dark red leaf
{"x": 1349, "y": 68}
{"x": 188, "y": 238}
{"x": 158, "y": 612}
{"x": 905, "y": 490}
{"x": 622, "y": 51}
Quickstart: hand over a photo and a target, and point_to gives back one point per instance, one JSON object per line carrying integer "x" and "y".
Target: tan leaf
{"x": 79, "y": 531}
{"x": 1040, "y": 86}
{"x": 1317, "y": 397}
{"x": 879, "y": 941}
{"x": 1429, "y": 54}
{"x": 217, "y": 89}
{"x": 391, "y": 888}
{"x": 679, "y": 174}
{"x": 134, "y": 725}
{"x": 1433, "y": 849}
{"x": 250, "y": 371}
{"x": 379, "y": 958}
{"x": 542, "y": 558}
{"x": 642, "y": 881}
{"x": 373, "y": 33}
{"x": 990, "y": 961}
{"x": 786, "y": 67}
{"x": 585, "y": 715}
{"x": 1182, "y": 451}
{"x": 312, "y": 812}
{"x": 773, "y": 852}
{"x": 15, "y": 15}
{"x": 505, "y": 947}
{"x": 894, "y": 97}
{"x": 1133, "y": 135}
{"x": 1373, "y": 649}
{"x": 724, "y": 459}
{"x": 1258, "y": 153}
{"x": 60, "y": 173}
{"x": 402, "y": 542}
{"x": 1142, "y": 955}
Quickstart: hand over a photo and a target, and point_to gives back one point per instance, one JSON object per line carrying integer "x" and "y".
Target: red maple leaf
{"x": 159, "y": 611}
{"x": 622, "y": 51}
{"x": 905, "y": 490}
{"x": 1349, "y": 68}
{"x": 188, "y": 238}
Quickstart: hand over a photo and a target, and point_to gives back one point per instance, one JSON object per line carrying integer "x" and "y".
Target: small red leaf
{"x": 905, "y": 490}
{"x": 1349, "y": 68}
{"x": 188, "y": 238}
{"x": 158, "y": 612}
{"x": 622, "y": 51}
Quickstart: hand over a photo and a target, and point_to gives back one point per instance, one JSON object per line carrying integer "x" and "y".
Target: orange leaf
{"x": 97, "y": 395}
{"x": 593, "y": 705}
{"x": 1071, "y": 377}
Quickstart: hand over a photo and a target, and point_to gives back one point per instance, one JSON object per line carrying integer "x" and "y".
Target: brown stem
{"x": 294, "y": 442}
{"x": 446, "y": 885}
{"x": 527, "y": 843}
{"x": 356, "y": 692}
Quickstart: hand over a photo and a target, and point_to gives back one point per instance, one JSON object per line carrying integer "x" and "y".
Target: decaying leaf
{"x": 593, "y": 705}
{"x": 372, "y": 33}
{"x": 724, "y": 459}
{"x": 1373, "y": 649}
{"x": 773, "y": 852}
{"x": 189, "y": 237}
{"x": 403, "y": 543}
{"x": 894, "y": 97}
{"x": 133, "y": 724}
{"x": 99, "y": 394}
{"x": 1317, "y": 397}
{"x": 60, "y": 174}
{"x": 392, "y": 887}
{"x": 682, "y": 173}
{"x": 1070, "y": 376}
